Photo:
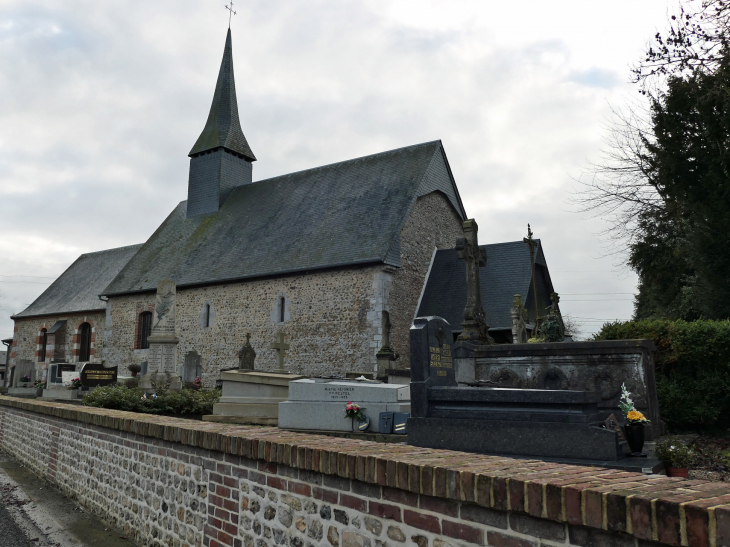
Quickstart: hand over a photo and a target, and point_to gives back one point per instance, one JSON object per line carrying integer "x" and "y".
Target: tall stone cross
{"x": 280, "y": 346}
{"x": 474, "y": 327}
{"x": 533, "y": 245}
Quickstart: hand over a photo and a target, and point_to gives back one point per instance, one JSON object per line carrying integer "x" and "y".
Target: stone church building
{"x": 324, "y": 256}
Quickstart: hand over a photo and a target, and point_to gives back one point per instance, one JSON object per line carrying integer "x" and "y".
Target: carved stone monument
{"x": 475, "y": 328}
{"x": 386, "y": 356}
{"x": 519, "y": 321}
{"x": 162, "y": 364}
{"x": 247, "y": 355}
{"x": 250, "y": 396}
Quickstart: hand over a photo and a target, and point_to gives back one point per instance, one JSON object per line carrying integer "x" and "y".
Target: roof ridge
{"x": 350, "y": 160}
{"x": 110, "y": 250}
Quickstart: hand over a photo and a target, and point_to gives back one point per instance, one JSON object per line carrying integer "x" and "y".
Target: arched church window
{"x": 44, "y": 343}
{"x": 282, "y": 307}
{"x": 145, "y": 329}
{"x": 206, "y": 315}
{"x": 85, "y": 342}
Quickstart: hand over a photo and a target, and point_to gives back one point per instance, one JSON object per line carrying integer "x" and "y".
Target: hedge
{"x": 692, "y": 368}
{"x": 175, "y": 403}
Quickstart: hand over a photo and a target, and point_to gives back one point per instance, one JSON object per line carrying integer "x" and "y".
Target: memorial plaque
{"x": 68, "y": 376}
{"x": 168, "y": 358}
{"x": 400, "y": 419}
{"x": 385, "y": 424}
{"x": 95, "y": 375}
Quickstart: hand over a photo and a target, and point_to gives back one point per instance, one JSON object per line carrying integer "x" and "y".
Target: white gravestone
{"x": 317, "y": 404}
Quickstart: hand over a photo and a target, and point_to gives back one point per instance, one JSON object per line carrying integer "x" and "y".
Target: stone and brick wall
{"x": 166, "y": 481}
{"x": 332, "y": 317}
{"x": 61, "y": 346}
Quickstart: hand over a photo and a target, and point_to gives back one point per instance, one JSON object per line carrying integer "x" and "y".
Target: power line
{"x": 31, "y": 282}
{"x": 36, "y": 276}
{"x": 591, "y": 293}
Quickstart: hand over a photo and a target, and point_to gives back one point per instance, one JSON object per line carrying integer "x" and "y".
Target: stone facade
{"x": 63, "y": 346}
{"x": 332, "y": 318}
{"x": 164, "y": 481}
{"x": 432, "y": 224}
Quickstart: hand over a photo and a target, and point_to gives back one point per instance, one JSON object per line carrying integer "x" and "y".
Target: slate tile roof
{"x": 78, "y": 288}
{"x": 506, "y": 273}
{"x": 223, "y": 128}
{"x": 337, "y": 215}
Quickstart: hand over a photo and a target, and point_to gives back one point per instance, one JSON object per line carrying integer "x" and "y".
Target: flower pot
{"x": 678, "y": 472}
{"x": 134, "y": 373}
{"x": 634, "y": 434}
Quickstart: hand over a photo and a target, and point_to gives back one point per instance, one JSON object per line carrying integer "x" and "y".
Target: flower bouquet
{"x": 635, "y": 420}
{"x": 355, "y": 412}
{"x": 76, "y": 383}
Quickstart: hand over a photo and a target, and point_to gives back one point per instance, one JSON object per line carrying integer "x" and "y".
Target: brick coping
{"x": 672, "y": 511}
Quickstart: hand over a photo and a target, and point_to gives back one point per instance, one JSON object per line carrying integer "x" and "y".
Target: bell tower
{"x": 221, "y": 158}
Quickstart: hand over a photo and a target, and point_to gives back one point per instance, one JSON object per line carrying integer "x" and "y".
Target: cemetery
{"x": 371, "y": 403}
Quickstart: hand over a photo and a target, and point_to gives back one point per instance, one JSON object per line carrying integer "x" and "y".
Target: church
{"x": 326, "y": 258}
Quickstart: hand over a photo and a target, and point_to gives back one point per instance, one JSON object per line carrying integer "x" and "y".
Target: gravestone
{"x": 280, "y": 347}
{"x": 24, "y": 367}
{"x": 525, "y": 422}
{"x": 249, "y": 396}
{"x": 162, "y": 362}
{"x": 191, "y": 367}
{"x": 319, "y": 404}
{"x": 96, "y": 375}
{"x": 247, "y": 355}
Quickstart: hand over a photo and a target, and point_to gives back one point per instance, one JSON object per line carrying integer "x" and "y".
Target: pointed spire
{"x": 223, "y": 128}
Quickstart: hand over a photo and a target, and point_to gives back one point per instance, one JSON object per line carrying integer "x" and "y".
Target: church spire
{"x": 223, "y": 128}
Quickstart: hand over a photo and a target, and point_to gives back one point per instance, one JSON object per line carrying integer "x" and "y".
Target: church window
{"x": 44, "y": 343}
{"x": 145, "y": 329}
{"x": 282, "y": 307}
{"x": 206, "y": 315}
{"x": 85, "y": 342}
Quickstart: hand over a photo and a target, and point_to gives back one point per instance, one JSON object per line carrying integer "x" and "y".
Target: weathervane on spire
{"x": 230, "y": 8}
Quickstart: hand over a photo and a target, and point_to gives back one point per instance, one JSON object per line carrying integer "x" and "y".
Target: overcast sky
{"x": 100, "y": 103}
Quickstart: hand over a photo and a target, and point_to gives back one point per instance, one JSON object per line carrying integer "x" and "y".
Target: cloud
{"x": 101, "y": 102}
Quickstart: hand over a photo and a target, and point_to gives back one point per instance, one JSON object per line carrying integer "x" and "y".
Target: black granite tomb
{"x": 96, "y": 375}
{"x": 522, "y": 422}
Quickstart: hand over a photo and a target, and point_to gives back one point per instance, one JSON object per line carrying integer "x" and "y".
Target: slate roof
{"x": 223, "y": 128}
{"x": 340, "y": 214}
{"x": 507, "y": 272}
{"x": 78, "y": 288}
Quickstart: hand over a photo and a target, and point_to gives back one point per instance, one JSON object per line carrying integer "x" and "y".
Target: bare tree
{"x": 619, "y": 187}
{"x": 697, "y": 39}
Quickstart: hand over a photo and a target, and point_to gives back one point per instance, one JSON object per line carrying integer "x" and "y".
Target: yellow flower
{"x": 635, "y": 416}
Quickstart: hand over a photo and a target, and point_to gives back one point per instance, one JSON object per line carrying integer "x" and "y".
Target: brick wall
{"x": 333, "y": 317}
{"x": 166, "y": 481}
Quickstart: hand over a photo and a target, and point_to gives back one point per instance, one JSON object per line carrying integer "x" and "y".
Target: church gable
{"x": 337, "y": 215}
{"x": 508, "y": 272}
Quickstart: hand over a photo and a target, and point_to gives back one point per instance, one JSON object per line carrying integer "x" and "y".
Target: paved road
{"x": 34, "y": 513}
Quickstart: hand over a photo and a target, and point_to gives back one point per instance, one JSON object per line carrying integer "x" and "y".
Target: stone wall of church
{"x": 332, "y": 318}
{"x": 433, "y": 223}
{"x": 328, "y": 321}
{"x": 27, "y": 340}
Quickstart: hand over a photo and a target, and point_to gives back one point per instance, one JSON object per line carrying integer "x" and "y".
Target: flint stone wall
{"x": 165, "y": 481}
{"x": 332, "y": 317}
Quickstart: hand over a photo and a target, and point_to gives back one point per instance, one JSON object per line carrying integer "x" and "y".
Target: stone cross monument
{"x": 475, "y": 328}
{"x": 280, "y": 346}
{"x": 162, "y": 363}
